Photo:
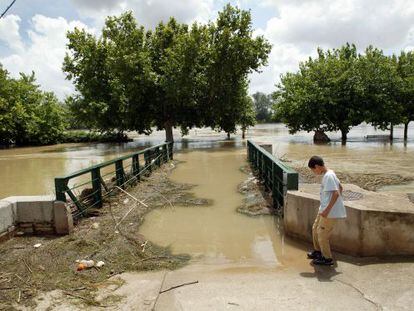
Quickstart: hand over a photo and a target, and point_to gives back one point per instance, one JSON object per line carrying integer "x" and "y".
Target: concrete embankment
{"x": 34, "y": 215}
{"x": 378, "y": 224}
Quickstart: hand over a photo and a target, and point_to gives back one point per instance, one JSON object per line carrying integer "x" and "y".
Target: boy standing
{"x": 331, "y": 208}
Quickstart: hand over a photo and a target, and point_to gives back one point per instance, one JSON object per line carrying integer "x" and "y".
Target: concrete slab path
{"x": 368, "y": 285}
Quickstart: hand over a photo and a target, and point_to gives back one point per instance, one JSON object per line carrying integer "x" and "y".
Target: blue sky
{"x": 32, "y": 34}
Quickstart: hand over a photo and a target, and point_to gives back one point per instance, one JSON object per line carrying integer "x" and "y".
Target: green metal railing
{"x": 277, "y": 177}
{"x": 122, "y": 176}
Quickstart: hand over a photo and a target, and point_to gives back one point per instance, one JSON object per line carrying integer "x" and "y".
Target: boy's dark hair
{"x": 315, "y": 160}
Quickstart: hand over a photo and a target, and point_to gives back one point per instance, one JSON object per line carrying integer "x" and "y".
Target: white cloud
{"x": 296, "y": 29}
{"x": 300, "y": 26}
{"x": 44, "y": 53}
{"x": 283, "y": 58}
{"x": 383, "y": 23}
{"x": 149, "y": 12}
{"x": 9, "y": 32}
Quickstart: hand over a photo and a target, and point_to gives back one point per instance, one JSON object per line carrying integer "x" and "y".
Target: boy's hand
{"x": 325, "y": 213}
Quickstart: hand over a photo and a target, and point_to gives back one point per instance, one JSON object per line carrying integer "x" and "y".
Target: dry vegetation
{"x": 26, "y": 271}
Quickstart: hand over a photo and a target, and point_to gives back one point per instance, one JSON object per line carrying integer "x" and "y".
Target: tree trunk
{"x": 243, "y": 133}
{"x": 320, "y": 137}
{"x": 168, "y": 131}
{"x": 392, "y": 132}
{"x": 344, "y": 134}
{"x": 406, "y": 131}
{"x": 228, "y": 135}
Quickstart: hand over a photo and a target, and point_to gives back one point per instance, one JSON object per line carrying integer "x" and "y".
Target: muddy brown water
{"x": 31, "y": 170}
{"x": 217, "y": 233}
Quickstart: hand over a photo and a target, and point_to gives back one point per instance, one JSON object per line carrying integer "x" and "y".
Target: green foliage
{"x": 405, "y": 68}
{"x": 27, "y": 114}
{"x": 234, "y": 54}
{"x": 248, "y": 115}
{"x": 174, "y": 76}
{"x": 381, "y": 89}
{"x": 263, "y": 107}
{"x": 112, "y": 74}
{"x": 179, "y": 56}
{"x": 341, "y": 88}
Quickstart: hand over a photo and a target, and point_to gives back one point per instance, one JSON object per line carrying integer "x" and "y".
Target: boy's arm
{"x": 335, "y": 195}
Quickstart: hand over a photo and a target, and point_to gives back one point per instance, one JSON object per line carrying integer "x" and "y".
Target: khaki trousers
{"x": 321, "y": 232}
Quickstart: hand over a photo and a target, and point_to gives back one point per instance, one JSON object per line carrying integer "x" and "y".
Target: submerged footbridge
{"x": 79, "y": 194}
{"x": 103, "y": 179}
{"x": 277, "y": 177}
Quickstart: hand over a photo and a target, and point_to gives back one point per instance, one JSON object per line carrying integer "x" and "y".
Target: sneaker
{"x": 314, "y": 255}
{"x": 322, "y": 261}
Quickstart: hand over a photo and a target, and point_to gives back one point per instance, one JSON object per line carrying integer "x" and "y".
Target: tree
{"x": 380, "y": 87}
{"x": 234, "y": 54}
{"x": 324, "y": 95}
{"x": 248, "y": 115}
{"x": 27, "y": 114}
{"x": 263, "y": 106}
{"x": 179, "y": 57}
{"x": 405, "y": 69}
{"x": 174, "y": 76}
{"x": 112, "y": 75}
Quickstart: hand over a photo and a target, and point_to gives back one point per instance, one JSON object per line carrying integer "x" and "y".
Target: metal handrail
{"x": 276, "y": 175}
{"x": 152, "y": 156}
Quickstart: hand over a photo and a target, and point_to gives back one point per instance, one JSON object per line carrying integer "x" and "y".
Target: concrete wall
{"x": 363, "y": 233}
{"x": 34, "y": 215}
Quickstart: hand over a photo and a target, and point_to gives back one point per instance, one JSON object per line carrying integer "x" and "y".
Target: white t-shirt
{"x": 329, "y": 184}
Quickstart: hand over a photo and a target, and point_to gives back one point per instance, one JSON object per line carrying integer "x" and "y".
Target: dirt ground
{"x": 370, "y": 182}
{"x": 112, "y": 237}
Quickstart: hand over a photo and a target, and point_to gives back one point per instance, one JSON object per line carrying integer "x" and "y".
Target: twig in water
{"x": 177, "y": 286}
{"x": 233, "y": 304}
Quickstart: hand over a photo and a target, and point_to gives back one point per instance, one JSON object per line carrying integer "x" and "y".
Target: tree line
{"x": 28, "y": 115}
{"x": 342, "y": 88}
{"x": 130, "y": 78}
{"x": 133, "y": 79}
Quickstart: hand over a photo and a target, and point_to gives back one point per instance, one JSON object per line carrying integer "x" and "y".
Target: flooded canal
{"x": 217, "y": 233}
{"x": 31, "y": 171}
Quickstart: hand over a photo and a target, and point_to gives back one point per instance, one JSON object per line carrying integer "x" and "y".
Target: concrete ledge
{"x": 35, "y": 215}
{"x": 7, "y": 217}
{"x": 365, "y": 232}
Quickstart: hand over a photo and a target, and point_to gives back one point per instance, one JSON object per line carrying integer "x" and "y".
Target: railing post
{"x": 147, "y": 157}
{"x": 120, "y": 175}
{"x": 171, "y": 149}
{"x": 60, "y": 189}
{"x": 135, "y": 166}
{"x": 167, "y": 152}
{"x": 158, "y": 155}
{"x": 274, "y": 186}
{"x": 96, "y": 186}
{"x": 281, "y": 188}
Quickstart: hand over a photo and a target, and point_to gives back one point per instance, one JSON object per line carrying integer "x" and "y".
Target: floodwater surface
{"x": 31, "y": 170}
{"x": 217, "y": 233}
